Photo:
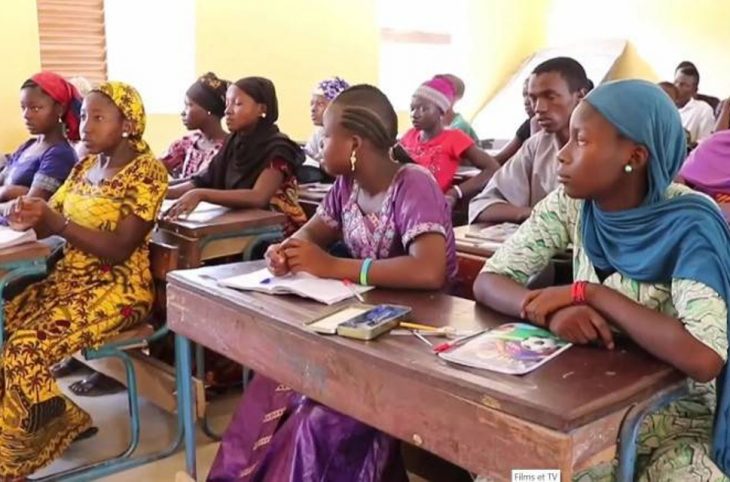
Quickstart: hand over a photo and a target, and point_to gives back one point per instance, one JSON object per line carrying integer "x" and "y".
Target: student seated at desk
{"x": 707, "y": 168}
{"x": 526, "y": 129}
{"x": 697, "y": 115}
{"x": 453, "y": 119}
{"x": 256, "y": 166}
{"x": 323, "y": 94}
{"x": 555, "y": 88}
{"x": 650, "y": 260}
{"x": 437, "y": 149}
{"x": 670, "y": 89}
{"x": 205, "y": 105}
{"x": 105, "y": 210}
{"x": 50, "y": 108}
{"x": 396, "y": 224}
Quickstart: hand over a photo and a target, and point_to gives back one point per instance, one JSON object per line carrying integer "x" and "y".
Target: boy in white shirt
{"x": 697, "y": 116}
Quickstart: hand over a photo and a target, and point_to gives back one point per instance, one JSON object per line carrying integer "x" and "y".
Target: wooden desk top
{"x": 229, "y": 221}
{"x": 465, "y": 244}
{"x": 465, "y": 172}
{"x": 308, "y": 192}
{"x": 578, "y": 387}
{"x": 24, "y": 252}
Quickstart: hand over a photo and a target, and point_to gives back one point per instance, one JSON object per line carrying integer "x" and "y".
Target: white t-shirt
{"x": 698, "y": 118}
{"x": 313, "y": 149}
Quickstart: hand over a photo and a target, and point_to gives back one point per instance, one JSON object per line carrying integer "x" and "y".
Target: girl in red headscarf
{"x": 50, "y": 107}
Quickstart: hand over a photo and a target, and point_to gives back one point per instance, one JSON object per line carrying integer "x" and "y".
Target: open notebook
{"x": 202, "y": 213}
{"x": 513, "y": 348}
{"x": 10, "y": 237}
{"x": 327, "y": 291}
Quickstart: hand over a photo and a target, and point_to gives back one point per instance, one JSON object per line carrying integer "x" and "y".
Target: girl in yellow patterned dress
{"x": 105, "y": 210}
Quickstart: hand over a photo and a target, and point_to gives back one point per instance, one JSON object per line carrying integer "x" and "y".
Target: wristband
{"x": 578, "y": 292}
{"x": 364, "y": 271}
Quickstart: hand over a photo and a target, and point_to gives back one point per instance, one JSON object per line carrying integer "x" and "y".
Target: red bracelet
{"x": 578, "y": 292}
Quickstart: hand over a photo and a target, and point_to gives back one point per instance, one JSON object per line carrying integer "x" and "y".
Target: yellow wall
{"x": 504, "y": 33}
{"x": 661, "y": 33}
{"x": 20, "y": 58}
{"x": 293, "y": 42}
{"x": 297, "y": 43}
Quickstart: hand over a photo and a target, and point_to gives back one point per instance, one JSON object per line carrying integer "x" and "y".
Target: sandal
{"x": 96, "y": 385}
{"x": 66, "y": 367}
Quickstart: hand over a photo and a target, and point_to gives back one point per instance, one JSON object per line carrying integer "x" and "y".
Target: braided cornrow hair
{"x": 366, "y": 111}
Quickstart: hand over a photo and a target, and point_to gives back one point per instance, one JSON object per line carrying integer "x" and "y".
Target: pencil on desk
{"x": 352, "y": 288}
{"x": 422, "y": 338}
{"x": 417, "y": 326}
{"x": 446, "y": 346}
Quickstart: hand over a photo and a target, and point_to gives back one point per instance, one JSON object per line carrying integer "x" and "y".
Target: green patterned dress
{"x": 674, "y": 444}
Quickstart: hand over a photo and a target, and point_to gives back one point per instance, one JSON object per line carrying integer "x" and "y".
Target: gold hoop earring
{"x": 353, "y": 161}
{"x": 391, "y": 154}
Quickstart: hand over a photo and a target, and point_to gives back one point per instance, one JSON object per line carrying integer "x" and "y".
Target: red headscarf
{"x": 63, "y": 92}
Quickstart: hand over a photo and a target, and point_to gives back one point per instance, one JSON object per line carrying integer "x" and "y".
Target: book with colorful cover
{"x": 512, "y": 348}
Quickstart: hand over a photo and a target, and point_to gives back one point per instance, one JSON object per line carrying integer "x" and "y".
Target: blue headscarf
{"x": 682, "y": 237}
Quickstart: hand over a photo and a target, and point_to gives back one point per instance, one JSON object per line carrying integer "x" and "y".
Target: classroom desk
{"x": 16, "y": 262}
{"x": 231, "y": 233}
{"x": 471, "y": 246}
{"x": 464, "y": 173}
{"x": 310, "y": 198}
{"x": 565, "y": 415}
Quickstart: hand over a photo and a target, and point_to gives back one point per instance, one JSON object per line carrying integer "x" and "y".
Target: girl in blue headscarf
{"x": 651, "y": 259}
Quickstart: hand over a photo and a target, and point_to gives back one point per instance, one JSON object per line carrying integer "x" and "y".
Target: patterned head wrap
{"x": 331, "y": 88}
{"x": 209, "y": 92}
{"x": 129, "y": 102}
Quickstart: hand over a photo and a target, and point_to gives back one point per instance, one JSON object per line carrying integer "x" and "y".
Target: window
{"x": 151, "y": 46}
{"x": 73, "y": 38}
{"x": 418, "y": 39}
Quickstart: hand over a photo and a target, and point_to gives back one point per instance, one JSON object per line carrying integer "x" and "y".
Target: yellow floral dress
{"x": 84, "y": 302}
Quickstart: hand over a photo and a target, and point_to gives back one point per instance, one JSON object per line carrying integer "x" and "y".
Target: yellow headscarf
{"x": 129, "y": 102}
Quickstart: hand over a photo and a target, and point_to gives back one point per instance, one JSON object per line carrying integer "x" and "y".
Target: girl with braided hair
{"x": 394, "y": 221}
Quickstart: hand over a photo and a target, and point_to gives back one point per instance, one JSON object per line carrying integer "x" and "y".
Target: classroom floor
{"x": 110, "y": 416}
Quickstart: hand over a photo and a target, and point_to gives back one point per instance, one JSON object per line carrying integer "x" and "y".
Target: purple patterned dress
{"x": 279, "y": 435}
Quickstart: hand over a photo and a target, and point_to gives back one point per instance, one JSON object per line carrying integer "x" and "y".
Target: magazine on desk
{"x": 512, "y": 348}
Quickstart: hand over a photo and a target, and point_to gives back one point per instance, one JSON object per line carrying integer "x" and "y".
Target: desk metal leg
{"x": 186, "y": 400}
{"x": 632, "y": 423}
{"x": 15, "y": 271}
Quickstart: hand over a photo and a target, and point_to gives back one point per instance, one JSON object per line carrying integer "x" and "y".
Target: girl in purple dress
{"x": 396, "y": 225}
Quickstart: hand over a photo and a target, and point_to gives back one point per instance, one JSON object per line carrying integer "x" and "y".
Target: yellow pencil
{"x": 417, "y": 326}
